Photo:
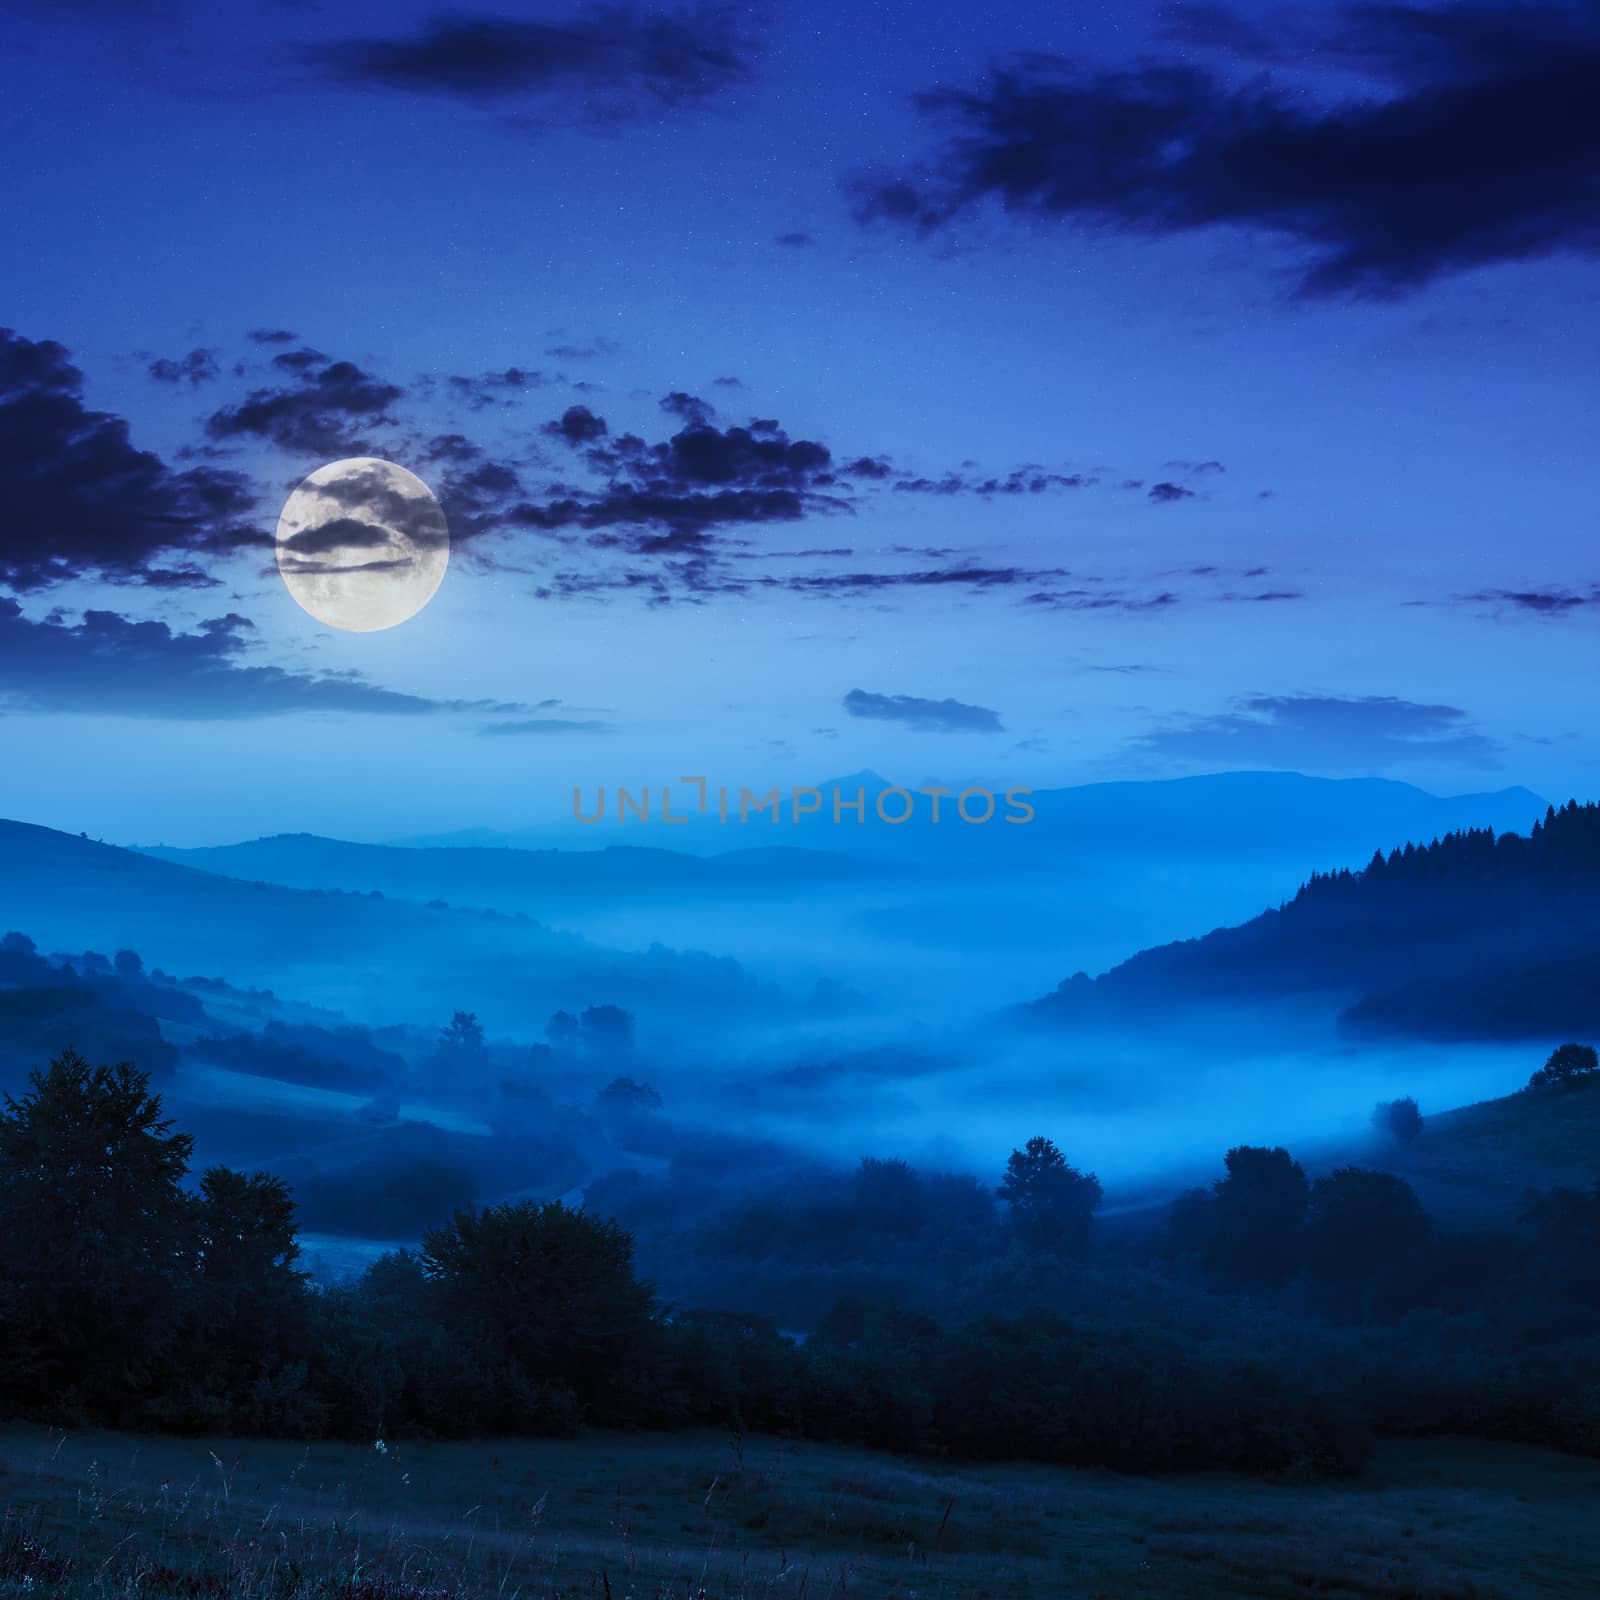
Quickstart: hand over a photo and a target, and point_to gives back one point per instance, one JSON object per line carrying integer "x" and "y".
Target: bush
{"x": 1568, "y": 1064}
{"x": 1399, "y": 1119}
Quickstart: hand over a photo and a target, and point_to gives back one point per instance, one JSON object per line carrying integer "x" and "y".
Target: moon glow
{"x": 362, "y": 544}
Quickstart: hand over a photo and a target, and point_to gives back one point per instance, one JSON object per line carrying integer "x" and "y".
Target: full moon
{"x": 362, "y": 544}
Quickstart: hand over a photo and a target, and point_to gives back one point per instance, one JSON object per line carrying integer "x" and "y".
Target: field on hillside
{"x": 1476, "y": 1165}
{"x": 707, "y": 1516}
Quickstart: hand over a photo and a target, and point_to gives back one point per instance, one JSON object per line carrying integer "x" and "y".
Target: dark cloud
{"x": 594, "y": 348}
{"x": 111, "y": 664}
{"x": 320, "y": 414}
{"x": 81, "y": 498}
{"x": 272, "y": 336}
{"x": 1461, "y": 43}
{"x": 1535, "y": 602}
{"x": 794, "y": 241}
{"x": 1094, "y": 599}
{"x": 727, "y": 383}
{"x": 456, "y": 448}
{"x": 1322, "y": 732}
{"x": 1022, "y": 480}
{"x": 605, "y": 62}
{"x": 495, "y": 388}
{"x": 1483, "y": 150}
{"x": 967, "y": 577}
{"x": 363, "y": 509}
{"x": 665, "y": 498}
{"x": 936, "y": 716}
{"x": 577, "y": 425}
{"x": 300, "y": 361}
{"x": 540, "y": 725}
{"x": 337, "y": 533}
{"x": 1165, "y": 494}
{"x": 690, "y": 407}
{"x": 199, "y": 366}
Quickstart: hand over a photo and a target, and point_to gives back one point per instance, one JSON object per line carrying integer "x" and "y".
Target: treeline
{"x": 1564, "y": 844}
{"x": 1267, "y": 1325}
{"x": 131, "y": 1298}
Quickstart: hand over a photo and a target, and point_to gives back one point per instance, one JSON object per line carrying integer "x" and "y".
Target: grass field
{"x": 1475, "y": 1165}
{"x": 692, "y": 1516}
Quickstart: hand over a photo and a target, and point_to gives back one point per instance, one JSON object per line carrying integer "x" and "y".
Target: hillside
{"x": 374, "y": 957}
{"x": 1476, "y": 1164}
{"x": 1475, "y": 935}
{"x": 542, "y": 882}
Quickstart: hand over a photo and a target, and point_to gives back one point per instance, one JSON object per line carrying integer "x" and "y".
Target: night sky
{"x": 1027, "y": 394}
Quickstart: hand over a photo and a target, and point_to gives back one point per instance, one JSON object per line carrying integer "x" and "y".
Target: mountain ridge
{"x": 1475, "y": 934}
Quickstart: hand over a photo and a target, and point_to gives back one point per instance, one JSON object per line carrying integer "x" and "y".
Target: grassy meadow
{"x": 94, "y": 1514}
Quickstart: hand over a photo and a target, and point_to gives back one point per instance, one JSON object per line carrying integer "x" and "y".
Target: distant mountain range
{"x": 395, "y": 958}
{"x": 1473, "y": 936}
{"x": 524, "y": 879}
{"x": 951, "y": 918}
{"x": 1254, "y": 813}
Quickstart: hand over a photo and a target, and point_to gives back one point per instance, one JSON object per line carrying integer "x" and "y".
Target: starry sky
{"x": 1031, "y": 394}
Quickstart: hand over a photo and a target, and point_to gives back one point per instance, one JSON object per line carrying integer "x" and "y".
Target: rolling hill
{"x": 1476, "y": 935}
{"x": 539, "y": 881}
{"x": 1477, "y": 1164}
{"x": 363, "y": 953}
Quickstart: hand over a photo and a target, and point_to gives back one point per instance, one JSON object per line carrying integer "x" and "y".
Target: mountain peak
{"x": 866, "y": 779}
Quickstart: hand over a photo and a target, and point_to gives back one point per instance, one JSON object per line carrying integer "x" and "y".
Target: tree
{"x": 240, "y": 1362}
{"x": 1400, "y": 1119}
{"x": 552, "y": 1289}
{"x": 1362, "y": 1226}
{"x": 462, "y": 1042}
{"x": 1568, "y": 1064}
{"x": 1052, "y": 1203}
{"x": 890, "y": 1196}
{"x": 1260, "y": 1206}
{"x": 624, "y": 1094}
{"x": 128, "y": 964}
{"x": 608, "y": 1028}
{"x": 562, "y": 1029}
{"x": 94, "y": 1223}
{"x": 246, "y": 1231}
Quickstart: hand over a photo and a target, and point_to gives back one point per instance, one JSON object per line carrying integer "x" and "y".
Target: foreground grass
{"x": 703, "y": 1517}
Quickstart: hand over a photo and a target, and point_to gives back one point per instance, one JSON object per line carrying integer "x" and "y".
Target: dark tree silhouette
{"x": 463, "y": 1040}
{"x": 1260, "y": 1208}
{"x": 891, "y": 1195}
{"x": 93, "y": 1222}
{"x": 1400, "y": 1119}
{"x": 1052, "y": 1203}
{"x": 1568, "y": 1064}
{"x": 624, "y": 1094}
{"x": 608, "y": 1028}
{"x": 128, "y": 964}
{"x": 554, "y": 1288}
{"x": 562, "y": 1029}
{"x": 1362, "y": 1226}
